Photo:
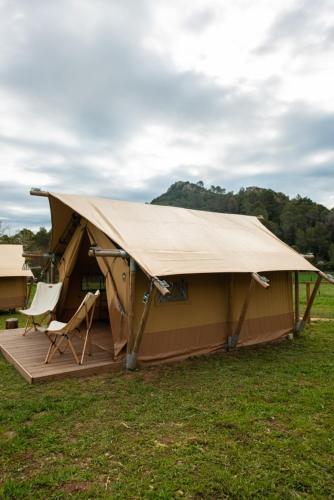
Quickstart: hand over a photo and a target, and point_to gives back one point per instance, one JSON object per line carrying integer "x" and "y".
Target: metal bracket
{"x": 162, "y": 285}
{"x": 38, "y": 192}
{"x": 299, "y": 327}
{"x": 101, "y": 252}
{"x": 232, "y": 341}
{"x": 261, "y": 280}
{"x": 131, "y": 361}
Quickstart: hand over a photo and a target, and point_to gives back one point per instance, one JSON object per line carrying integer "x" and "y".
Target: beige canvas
{"x": 167, "y": 240}
{"x": 202, "y": 323}
{"x": 11, "y": 261}
{"x": 114, "y": 270}
{"x": 68, "y": 261}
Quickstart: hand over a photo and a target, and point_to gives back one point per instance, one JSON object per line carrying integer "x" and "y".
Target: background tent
{"x": 13, "y": 278}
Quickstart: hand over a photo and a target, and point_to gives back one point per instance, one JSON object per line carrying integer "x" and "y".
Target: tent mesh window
{"x": 92, "y": 282}
{"x": 178, "y": 292}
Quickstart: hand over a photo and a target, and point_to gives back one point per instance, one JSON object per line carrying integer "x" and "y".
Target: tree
{"x": 300, "y": 222}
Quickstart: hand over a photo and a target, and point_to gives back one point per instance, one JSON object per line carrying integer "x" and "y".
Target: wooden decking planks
{"x": 27, "y": 354}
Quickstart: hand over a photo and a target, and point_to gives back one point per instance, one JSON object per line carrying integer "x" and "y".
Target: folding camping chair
{"x": 58, "y": 332}
{"x": 43, "y": 303}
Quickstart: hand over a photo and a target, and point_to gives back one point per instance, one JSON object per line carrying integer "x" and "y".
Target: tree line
{"x": 32, "y": 241}
{"x": 303, "y": 224}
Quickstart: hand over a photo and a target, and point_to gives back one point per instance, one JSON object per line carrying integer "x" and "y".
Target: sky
{"x": 122, "y": 98}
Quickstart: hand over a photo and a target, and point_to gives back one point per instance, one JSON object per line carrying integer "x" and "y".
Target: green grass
{"x": 21, "y": 318}
{"x": 323, "y": 306}
{"x": 257, "y": 423}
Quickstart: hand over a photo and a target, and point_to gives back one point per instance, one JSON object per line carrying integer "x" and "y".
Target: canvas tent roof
{"x": 11, "y": 261}
{"x": 169, "y": 240}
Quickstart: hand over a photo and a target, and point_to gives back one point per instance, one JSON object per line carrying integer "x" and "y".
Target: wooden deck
{"x": 27, "y": 354}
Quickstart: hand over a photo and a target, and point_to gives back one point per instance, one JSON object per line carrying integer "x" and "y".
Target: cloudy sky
{"x": 122, "y": 98}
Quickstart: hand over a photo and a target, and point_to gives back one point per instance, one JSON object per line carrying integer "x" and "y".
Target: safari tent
{"x": 13, "y": 278}
{"x": 174, "y": 282}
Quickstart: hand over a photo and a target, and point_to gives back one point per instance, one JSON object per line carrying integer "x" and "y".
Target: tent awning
{"x": 169, "y": 240}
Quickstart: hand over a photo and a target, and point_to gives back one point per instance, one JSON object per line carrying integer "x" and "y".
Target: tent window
{"x": 92, "y": 282}
{"x": 178, "y": 292}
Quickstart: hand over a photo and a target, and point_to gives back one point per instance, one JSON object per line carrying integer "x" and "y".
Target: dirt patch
{"x": 10, "y": 435}
{"x": 76, "y": 486}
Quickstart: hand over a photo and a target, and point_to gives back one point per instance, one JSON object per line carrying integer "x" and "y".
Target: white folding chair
{"x": 43, "y": 303}
{"x": 58, "y": 332}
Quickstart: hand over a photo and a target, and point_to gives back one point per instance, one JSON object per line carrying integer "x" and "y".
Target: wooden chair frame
{"x": 34, "y": 324}
{"x": 57, "y": 339}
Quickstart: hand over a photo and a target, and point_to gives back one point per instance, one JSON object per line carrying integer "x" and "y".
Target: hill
{"x": 302, "y": 223}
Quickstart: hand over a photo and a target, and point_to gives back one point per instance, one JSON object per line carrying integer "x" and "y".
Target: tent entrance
{"x": 86, "y": 276}
{"x": 81, "y": 273}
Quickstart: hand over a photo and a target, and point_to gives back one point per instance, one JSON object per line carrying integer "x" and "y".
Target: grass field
{"x": 323, "y": 306}
{"x": 253, "y": 423}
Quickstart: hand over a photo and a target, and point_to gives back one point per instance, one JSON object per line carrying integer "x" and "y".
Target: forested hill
{"x": 305, "y": 225}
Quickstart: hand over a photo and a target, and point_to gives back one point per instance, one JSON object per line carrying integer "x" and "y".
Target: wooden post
{"x": 328, "y": 277}
{"x": 131, "y": 359}
{"x": 230, "y": 305}
{"x": 143, "y": 321}
{"x": 52, "y": 270}
{"x": 309, "y": 304}
{"x": 131, "y": 304}
{"x": 296, "y": 299}
{"x": 233, "y": 339}
{"x": 308, "y": 295}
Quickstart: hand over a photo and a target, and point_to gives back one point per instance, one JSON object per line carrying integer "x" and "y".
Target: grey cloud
{"x": 300, "y": 132}
{"x": 34, "y": 213}
{"x": 199, "y": 20}
{"x": 307, "y": 130}
{"x": 105, "y": 87}
{"x": 302, "y": 27}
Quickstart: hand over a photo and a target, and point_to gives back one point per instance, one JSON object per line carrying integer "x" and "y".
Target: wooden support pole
{"x": 327, "y": 277}
{"x": 131, "y": 304}
{"x": 308, "y": 295}
{"x": 309, "y": 304}
{"x": 232, "y": 340}
{"x": 52, "y": 269}
{"x": 143, "y": 321}
{"x": 230, "y": 305}
{"x": 131, "y": 359}
{"x": 296, "y": 299}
